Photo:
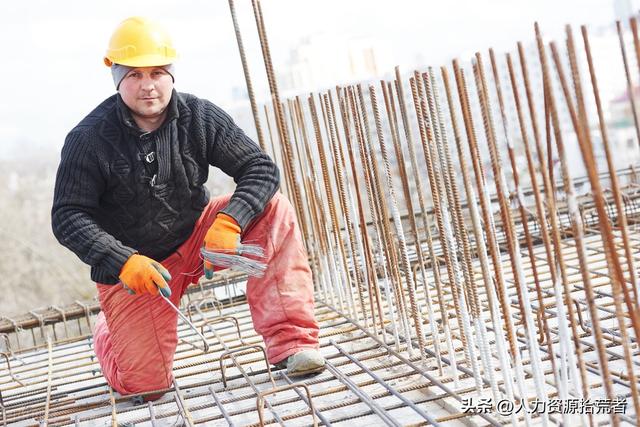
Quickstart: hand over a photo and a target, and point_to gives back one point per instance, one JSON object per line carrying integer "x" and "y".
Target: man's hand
{"x": 142, "y": 275}
{"x": 223, "y": 236}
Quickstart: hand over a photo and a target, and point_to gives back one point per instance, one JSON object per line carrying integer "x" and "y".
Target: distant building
{"x": 324, "y": 60}
{"x": 624, "y": 9}
{"x": 623, "y": 136}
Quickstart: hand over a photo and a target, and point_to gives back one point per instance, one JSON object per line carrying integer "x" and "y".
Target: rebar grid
{"x": 77, "y": 393}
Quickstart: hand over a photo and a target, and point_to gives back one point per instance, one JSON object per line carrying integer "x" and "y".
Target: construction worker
{"x": 130, "y": 201}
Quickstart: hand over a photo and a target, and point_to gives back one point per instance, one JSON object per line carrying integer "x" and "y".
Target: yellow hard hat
{"x": 140, "y": 42}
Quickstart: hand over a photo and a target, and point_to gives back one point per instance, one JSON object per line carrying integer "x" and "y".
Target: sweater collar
{"x": 126, "y": 118}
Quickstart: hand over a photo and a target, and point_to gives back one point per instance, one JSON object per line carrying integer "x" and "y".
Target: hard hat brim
{"x": 153, "y": 60}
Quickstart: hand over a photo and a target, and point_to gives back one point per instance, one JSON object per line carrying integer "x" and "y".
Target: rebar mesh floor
{"x": 367, "y": 381}
{"x": 80, "y": 395}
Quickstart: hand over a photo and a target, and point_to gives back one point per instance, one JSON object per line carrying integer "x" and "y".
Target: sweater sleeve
{"x": 256, "y": 176}
{"x": 79, "y": 185}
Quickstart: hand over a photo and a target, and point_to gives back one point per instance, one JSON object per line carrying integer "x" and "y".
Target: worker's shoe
{"x": 305, "y": 362}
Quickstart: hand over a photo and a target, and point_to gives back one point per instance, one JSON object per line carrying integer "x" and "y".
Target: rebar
{"x": 247, "y": 76}
{"x": 586, "y": 149}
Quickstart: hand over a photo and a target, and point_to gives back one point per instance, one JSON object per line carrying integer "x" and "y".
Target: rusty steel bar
{"x": 378, "y": 212}
{"x": 426, "y": 135}
{"x": 261, "y": 399}
{"x": 551, "y": 116}
{"x": 484, "y": 202}
{"x": 372, "y": 277}
{"x": 329, "y": 268}
{"x": 390, "y": 261}
{"x": 182, "y": 406}
{"x": 247, "y": 76}
{"x": 462, "y": 291}
{"x": 542, "y": 167}
{"x": 586, "y": 278}
{"x": 579, "y": 121}
{"x": 333, "y": 216}
{"x": 334, "y": 142}
{"x": 632, "y": 308}
{"x": 481, "y": 251}
{"x": 317, "y": 242}
{"x": 615, "y": 187}
{"x": 280, "y": 118}
{"x": 297, "y": 133}
{"x": 507, "y": 222}
{"x": 355, "y": 245}
{"x": 521, "y": 204}
{"x": 274, "y": 154}
{"x": 412, "y": 214}
{"x": 415, "y": 83}
{"x": 489, "y": 223}
{"x": 542, "y": 320}
{"x": 396, "y": 218}
{"x": 443, "y": 203}
{"x": 460, "y": 227}
{"x": 416, "y": 313}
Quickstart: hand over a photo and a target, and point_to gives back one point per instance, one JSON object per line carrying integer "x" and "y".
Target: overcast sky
{"x": 52, "y": 72}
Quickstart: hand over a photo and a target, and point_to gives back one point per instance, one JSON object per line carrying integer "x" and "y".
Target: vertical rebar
{"x": 422, "y": 115}
{"x": 463, "y": 295}
{"x": 280, "y": 119}
{"x": 508, "y": 224}
{"x": 551, "y": 113}
{"x": 416, "y": 313}
{"x": 247, "y": 76}
{"x": 580, "y": 122}
{"x": 615, "y": 186}
{"x": 544, "y": 326}
{"x": 396, "y": 217}
{"x": 412, "y": 217}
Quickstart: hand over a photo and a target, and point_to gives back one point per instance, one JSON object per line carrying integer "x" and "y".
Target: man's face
{"x": 146, "y": 91}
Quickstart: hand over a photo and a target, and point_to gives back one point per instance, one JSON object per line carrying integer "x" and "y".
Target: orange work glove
{"x": 223, "y": 236}
{"x": 142, "y": 275}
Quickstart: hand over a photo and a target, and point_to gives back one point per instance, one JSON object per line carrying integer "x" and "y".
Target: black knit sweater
{"x": 121, "y": 191}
